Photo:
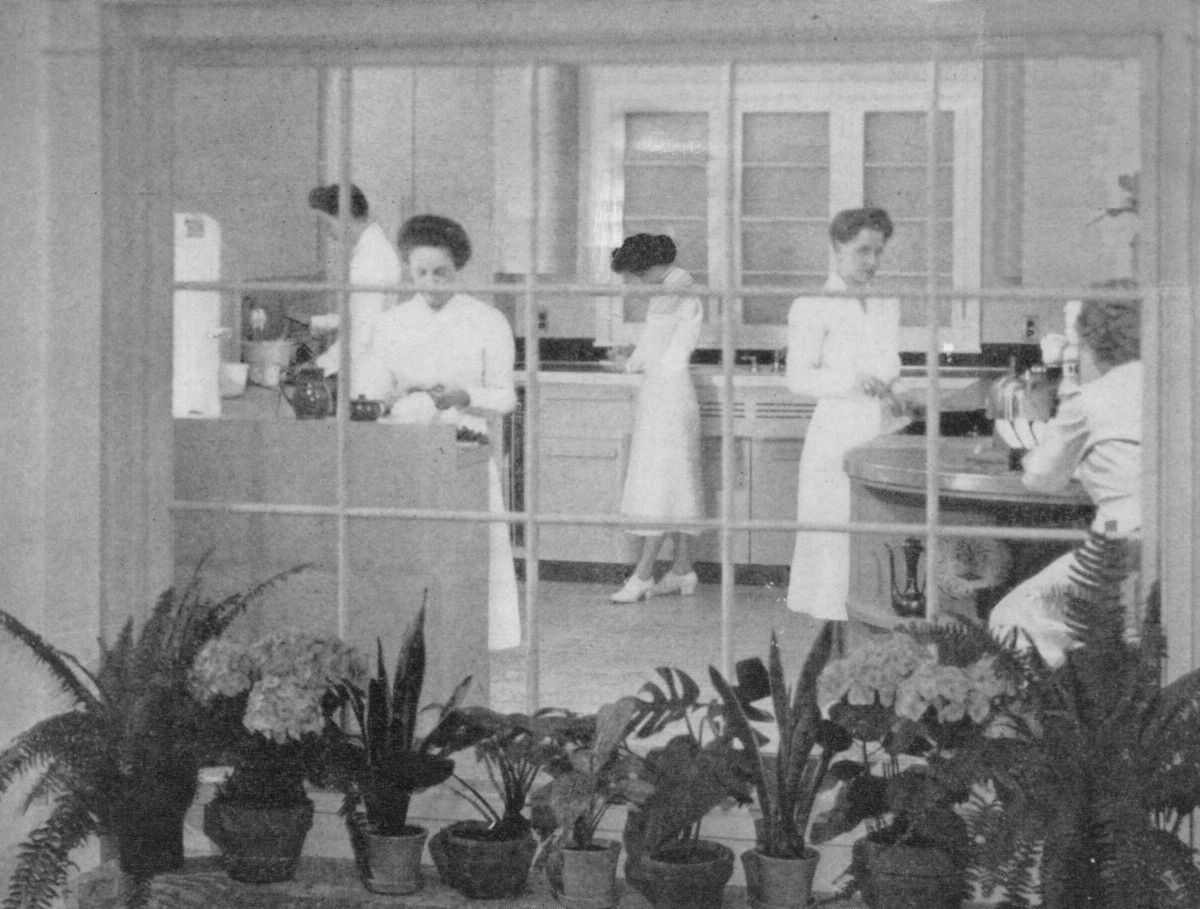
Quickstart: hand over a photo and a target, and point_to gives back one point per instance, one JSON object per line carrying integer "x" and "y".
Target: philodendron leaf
{"x": 612, "y": 725}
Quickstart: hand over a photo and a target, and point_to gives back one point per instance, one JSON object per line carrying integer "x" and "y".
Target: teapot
{"x": 908, "y": 602}
{"x": 310, "y": 397}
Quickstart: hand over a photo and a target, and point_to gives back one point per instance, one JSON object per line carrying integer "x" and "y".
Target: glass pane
{"x": 906, "y": 251}
{"x": 792, "y": 138}
{"x": 898, "y": 137}
{"x": 795, "y": 192}
{"x": 666, "y": 137}
{"x": 664, "y": 192}
{"x": 773, "y": 310}
{"x": 786, "y": 246}
{"x": 902, "y": 190}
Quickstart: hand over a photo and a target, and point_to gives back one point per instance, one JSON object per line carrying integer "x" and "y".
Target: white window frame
{"x": 846, "y": 94}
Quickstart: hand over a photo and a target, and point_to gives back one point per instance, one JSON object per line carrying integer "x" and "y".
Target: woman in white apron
{"x": 663, "y": 480}
{"x": 448, "y": 357}
{"x": 844, "y": 352}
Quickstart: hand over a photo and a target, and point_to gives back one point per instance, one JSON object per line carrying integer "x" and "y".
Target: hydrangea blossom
{"x": 286, "y": 675}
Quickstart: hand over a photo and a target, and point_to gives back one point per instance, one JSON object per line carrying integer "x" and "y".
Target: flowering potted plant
{"x": 918, "y": 701}
{"x": 276, "y": 698}
{"x": 490, "y": 858}
{"x": 779, "y": 871}
{"x": 596, "y": 771}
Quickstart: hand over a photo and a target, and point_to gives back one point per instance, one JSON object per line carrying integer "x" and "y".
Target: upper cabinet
{"x": 744, "y": 166}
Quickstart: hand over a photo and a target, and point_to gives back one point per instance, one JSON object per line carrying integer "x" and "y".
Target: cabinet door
{"x": 583, "y": 476}
{"x": 775, "y": 474}
{"x": 708, "y": 545}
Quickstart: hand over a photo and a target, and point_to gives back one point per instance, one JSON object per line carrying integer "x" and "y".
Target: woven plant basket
{"x": 258, "y": 845}
{"x": 683, "y": 875}
{"x": 479, "y": 868}
{"x": 908, "y": 877}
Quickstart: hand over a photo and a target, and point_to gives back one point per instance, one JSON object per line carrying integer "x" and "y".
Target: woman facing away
{"x": 448, "y": 357}
{"x": 663, "y": 480}
{"x": 845, "y": 352}
{"x": 1096, "y": 435}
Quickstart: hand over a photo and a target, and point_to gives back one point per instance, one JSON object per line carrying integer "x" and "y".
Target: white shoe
{"x": 683, "y": 584}
{"x": 635, "y": 589}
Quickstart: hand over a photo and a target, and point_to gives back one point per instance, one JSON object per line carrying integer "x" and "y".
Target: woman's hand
{"x": 447, "y": 396}
{"x": 875, "y": 387}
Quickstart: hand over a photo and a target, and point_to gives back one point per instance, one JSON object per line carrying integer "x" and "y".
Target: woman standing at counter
{"x": 844, "y": 352}
{"x": 447, "y": 357}
{"x": 663, "y": 478}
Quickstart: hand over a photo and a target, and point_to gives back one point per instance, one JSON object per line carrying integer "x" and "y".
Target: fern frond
{"x": 44, "y": 858}
{"x": 51, "y": 658}
{"x": 73, "y": 738}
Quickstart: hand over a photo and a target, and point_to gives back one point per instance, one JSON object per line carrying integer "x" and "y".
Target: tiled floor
{"x": 592, "y": 651}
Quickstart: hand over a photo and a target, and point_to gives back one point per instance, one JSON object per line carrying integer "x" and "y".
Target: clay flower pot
{"x": 779, "y": 883}
{"x": 585, "y": 878}
{"x": 908, "y": 877}
{"x": 395, "y": 861}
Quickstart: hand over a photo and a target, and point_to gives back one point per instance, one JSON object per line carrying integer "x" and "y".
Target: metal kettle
{"x": 908, "y": 601}
{"x": 310, "y": 397}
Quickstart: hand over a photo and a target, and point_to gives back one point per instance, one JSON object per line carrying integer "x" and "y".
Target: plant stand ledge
{"x": 320, "y": 883}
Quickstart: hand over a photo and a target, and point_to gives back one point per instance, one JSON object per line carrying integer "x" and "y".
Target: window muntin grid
{"x": 341, "y": 511}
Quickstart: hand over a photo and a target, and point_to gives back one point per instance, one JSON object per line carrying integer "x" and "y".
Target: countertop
{"x": 969, "y": 470}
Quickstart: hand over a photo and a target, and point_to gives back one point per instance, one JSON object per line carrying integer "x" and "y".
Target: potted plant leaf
{"x": 122, "y": 761}
{"x": 917, "y": 701}
{"x": 276, "y": 698}
{"x": 597, "y": 770}
{"x": 779, "y": 871}
{"x": 1099, "y": 772}
{"x": 490, "y": 858}
{"x": 389, "y": 762}
{"x": 666, "y": 859}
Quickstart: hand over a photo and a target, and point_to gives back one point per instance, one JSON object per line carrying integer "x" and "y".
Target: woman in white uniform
{"x": 448, "y": 357}
{"x": 663, "y": 480}
{"x": 845, "y": 352}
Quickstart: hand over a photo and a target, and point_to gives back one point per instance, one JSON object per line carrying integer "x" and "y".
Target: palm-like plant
{"x": 1100, "y": 771}
{"x": 390, "y": 763}
{"x": 126, "y": 752}
{"x": 788, "y": 783}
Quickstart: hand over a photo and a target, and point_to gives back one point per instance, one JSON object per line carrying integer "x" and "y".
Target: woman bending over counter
{"x": 447, "y": 357}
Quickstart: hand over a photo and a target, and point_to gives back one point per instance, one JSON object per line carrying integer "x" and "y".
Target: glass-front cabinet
{"x": 744, "y": 165}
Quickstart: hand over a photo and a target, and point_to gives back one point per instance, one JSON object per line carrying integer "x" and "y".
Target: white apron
{"x": 830, "y": 342}
{"x": 663, "y": 479}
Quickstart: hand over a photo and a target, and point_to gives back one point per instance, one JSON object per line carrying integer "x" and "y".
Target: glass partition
{"x": 1019, "y": 196}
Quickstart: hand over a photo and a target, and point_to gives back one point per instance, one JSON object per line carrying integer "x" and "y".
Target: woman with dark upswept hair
{"x": 663, "y": 479}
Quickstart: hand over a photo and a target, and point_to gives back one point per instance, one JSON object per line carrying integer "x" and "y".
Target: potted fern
{"x": 277, "y": 698}
{"x": 779, "y": 871}
{"x": 597, "y": 770}
{"x": 122, "y": 760}
{"x": 667, "y": 861}
{"x": 491, "y": 858}
{"x": 1099, "y": 772}
{"x": 389, "y": 762}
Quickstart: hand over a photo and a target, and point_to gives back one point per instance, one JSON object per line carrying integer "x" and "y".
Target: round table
{"x": 975, "y": 487}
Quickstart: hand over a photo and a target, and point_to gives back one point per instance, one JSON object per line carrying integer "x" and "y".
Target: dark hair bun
{"x": 325, "y": 198}
{"x": 849, "y": 223}
{"x": 642, "y": 252}
{"x": 436, "y": 231}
